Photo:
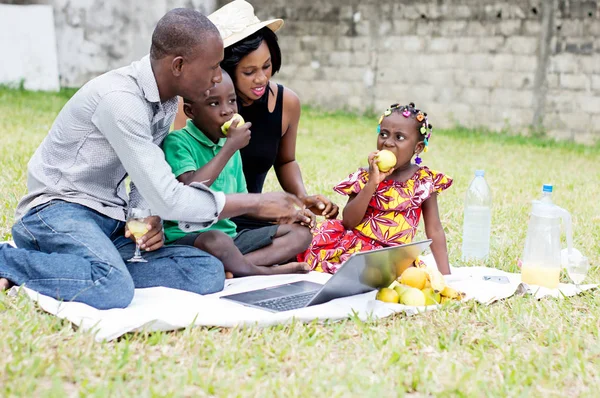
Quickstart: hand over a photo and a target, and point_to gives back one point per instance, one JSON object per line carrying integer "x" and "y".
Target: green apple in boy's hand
{"x": 227, "y": 124}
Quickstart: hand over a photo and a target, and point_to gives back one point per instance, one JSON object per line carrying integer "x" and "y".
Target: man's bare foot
{"x": 5, "y": 284}
{"x": 291, "y": 268}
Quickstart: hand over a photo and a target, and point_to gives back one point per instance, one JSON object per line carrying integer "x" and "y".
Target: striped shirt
{"x": 111, "y": 128}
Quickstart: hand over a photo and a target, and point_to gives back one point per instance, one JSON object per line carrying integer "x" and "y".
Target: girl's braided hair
{"x": 410, "y": 111}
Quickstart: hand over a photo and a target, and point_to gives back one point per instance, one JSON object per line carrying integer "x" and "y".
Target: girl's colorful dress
{"x": 391, "y": 219}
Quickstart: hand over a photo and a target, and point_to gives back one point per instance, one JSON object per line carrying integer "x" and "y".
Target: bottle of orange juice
{"x": 541, "y": 257}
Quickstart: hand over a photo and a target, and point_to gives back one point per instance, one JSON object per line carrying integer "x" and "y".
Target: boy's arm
{"x": 237, "y": 138}
{"x": 435, "y": 232}
{"x": 273, "y": 206}
{"x": 208, "y": 173}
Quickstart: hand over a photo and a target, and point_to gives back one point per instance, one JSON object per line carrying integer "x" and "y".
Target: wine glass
{"x": 577, "y": 269}
{"x": 138, "y": 227}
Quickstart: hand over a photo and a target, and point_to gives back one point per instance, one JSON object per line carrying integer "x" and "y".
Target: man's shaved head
{"x": 180, "y": 32}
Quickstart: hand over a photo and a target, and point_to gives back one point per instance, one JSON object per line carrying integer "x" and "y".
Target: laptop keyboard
{"x": 287, "y": 303}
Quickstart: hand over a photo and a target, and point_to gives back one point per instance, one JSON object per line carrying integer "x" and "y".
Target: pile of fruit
{"x": 419, "y": 287}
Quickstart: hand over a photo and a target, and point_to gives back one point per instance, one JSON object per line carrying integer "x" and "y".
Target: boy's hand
{"x": 239, "y": 136}
{"x": 154, "y": 238}
{"x": 376, "y": 176}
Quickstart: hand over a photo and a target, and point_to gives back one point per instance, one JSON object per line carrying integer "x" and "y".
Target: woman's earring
{"x": 418, "y": 159}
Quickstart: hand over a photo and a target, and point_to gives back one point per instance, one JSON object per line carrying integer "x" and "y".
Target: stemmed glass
{"x": 577, "y": 269}
{"x": 138, "y": 226}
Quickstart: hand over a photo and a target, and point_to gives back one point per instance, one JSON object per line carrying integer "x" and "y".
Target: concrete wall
{"x": 501, "y": 64}
{"x": 496, "y": 63}
{"x": 28, "y": 46}
{"x": 94, "y": 36}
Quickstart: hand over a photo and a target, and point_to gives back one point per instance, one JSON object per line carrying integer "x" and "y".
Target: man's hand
{"x": 282, "y": 207}
{"x": 154, "y": 238}
{"x": 321, "y": 206}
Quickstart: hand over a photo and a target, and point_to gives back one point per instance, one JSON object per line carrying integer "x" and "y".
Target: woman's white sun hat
{"x": 236, "y": 21}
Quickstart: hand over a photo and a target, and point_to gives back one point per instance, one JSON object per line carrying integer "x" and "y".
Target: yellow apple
{"x": 386, "y": 160}
{"x": 431, "y": 297}
{"x": 400, "y": 289}
{"x": 227, "y": 124}
{"x": 413, "y": 297}
{"x": 387, "y": 295}
{"x": 414, "y": 277}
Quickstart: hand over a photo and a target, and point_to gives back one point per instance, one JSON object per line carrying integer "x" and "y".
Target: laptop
{"x": 361, "y": 273}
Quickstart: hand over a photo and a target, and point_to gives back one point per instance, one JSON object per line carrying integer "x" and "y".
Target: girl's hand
{"x": 375, "y": 175}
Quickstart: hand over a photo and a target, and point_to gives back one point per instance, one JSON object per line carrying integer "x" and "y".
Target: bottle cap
{"x": 479, "y": 173}
{"x": 547, "y": 188}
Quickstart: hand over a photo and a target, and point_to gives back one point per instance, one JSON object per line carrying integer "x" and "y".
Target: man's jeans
{"x": 72, "y": 253}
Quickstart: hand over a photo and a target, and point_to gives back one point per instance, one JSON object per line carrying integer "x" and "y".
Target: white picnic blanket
{"x": 159, "y": 308}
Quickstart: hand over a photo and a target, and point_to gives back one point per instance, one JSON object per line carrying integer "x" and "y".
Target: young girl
{"x": 384, "y": 209}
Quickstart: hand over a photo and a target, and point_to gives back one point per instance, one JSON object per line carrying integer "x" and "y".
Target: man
{"x": 70, "y": 225}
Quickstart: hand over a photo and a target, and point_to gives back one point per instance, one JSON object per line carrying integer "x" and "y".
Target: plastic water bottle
{"x": 546, "y": 194}
{"x": 478, "y": 219}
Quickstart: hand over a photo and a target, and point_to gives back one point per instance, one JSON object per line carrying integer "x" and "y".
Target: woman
{"x": 252, "y": 57}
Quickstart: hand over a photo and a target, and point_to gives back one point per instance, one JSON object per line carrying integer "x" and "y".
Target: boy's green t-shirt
{"x": 189, "y": 149}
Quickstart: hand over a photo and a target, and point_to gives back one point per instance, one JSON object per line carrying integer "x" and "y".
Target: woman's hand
{"x": 311, "y": 216}
{"x": 321, "y": 206}
{"x": 376, "y": 176}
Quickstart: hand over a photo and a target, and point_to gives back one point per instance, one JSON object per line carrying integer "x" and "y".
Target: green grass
{"x": 518, "y": 347}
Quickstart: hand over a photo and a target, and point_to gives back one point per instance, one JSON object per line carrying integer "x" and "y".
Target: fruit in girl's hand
{"x": 413, "y": 297}
{"x": 227, "y": 124}
{"x": 386, "y": 160}
{"x": 414, "y": 277}
{"x": 431, "y": 297}
{"x": 387, "y": 295}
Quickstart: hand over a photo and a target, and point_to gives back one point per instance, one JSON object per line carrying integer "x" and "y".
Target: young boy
{"x": 200, "y": 152}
